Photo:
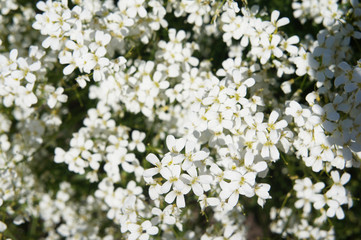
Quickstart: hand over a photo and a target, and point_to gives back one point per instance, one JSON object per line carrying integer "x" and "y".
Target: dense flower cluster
{"x": 121, "y": 118}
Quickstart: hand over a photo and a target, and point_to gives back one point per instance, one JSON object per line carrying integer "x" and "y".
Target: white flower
{"x": 82, "y": 80}
{"x": 217, "y": 172}
{"x": 191, "y": 155}
{"x": 142, "y": 231}
{"x": 273, "y": 125}
{"x": 3, "y": 226}
{"x": 289, "y": 46}
{"x": 298, "y": 112}
{"x": 72, "y": 59}
{"x": 175, "y": 145}
{"x": 241, "y": 183}
{"x": 137, "y": 138}
{"x": 315, "y": 161}
{"x": 205, "y": 201}
{"x": 346, "y": 75}
{"x": 335, "y": 209}
{"x": 154, "y": 85}
{"x": 270, "y": 47}
{"x": 252, "y": 165}
{"x": 305, "y": 63}
{"x": 261, "y": 190}
{"x": 154, "y": 161}
{"x": 178, "y": 194}
{"x": 176, "y": 37}
{"x": 56, "y": 96}
{"x": 155, "y": 188}
{"x": 269, "y": 141}
{"x": 215, "y": 98}
{"x": 337, "y": 187}
{"x": 101, "y": 40}
{"x": 276, "y": 23}
{"x": 286, "y": 86}
{"x": 255, "y": 123}
{"x": 136, "y": 7}
{"x": 232, "y": 232}
{"x": 172, "y": 175}
{"x": 26, "y": 70}
{"x": 195, "y": 181}
{"x": 217, "y": 120}
{"x": 354, "y": 85}
{"x": 162, "y": 217}
{"x": 26, "y": 96}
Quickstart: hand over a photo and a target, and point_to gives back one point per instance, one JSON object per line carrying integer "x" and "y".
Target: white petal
{"x": 197, "y": 189}
{"x": 345, "y": 178}
{"x": 170, "y": 141}
{"x": 150, "y": 172}
{"x": 260, "y": 166}
{"x": 339, "y": 213}
{"x": 233, "y": 199}
{"x": 276, "y": 39}
{"x": 340, "y": 80}
{"x": 153, "y": 230}
{"x": 349, "y": 87}
{"x": 180, "y": 143}
{"x": 3, "y": 226}
{"x": 262, "y": 191}
{"x": 142, "y": 12}
{"x": 281, "y": 124}
{"x": 344, "y": 66}
{"x": 166, "y": 187}
{"x": 13, "y": 54}
{"x": 180, "y": 201}
{"x": 152, "y": 159}
{"x": 283, "y": 21}
{"x": 232, "y": 175}
{"x": 335, "y": 176}
{"x": 179, "y": 185}
{"x": 274, "y": 16}
{"x": 68, "y": 69}
{"x": 205, "y": 179}
{"x": 132, "y": 227}
{"x": 273, "y": 117}
{"x": 265, "y": 152}
{"x": 213, "y": 201}
{"x": 169, "y": 220}
{"x": 170, "y": 197}
{"x": 201, "y": 155}
{"x": 274, "y": 152}
{"x": 277, "y": 52}
{"x": 146, "y": 224}
{"x": 100, "y": 52}
{"x": 249, "y": 158}
{"x": 190, "y": 145}
{"x": 225, "y": 194}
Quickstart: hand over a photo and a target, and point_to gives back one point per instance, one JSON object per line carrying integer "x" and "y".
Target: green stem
{"x": 78, "y": 97}
{"x": 33, "y": 227}
{"x": 285, "y": 200}
{"x": 284, "y": 159}
{"x": 303, "y": 82}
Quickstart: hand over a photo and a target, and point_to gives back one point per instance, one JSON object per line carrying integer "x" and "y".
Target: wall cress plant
{"x": 180, "y": 119}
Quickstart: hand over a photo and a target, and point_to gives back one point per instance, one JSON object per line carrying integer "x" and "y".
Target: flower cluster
{"x": 179, "y": 119}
